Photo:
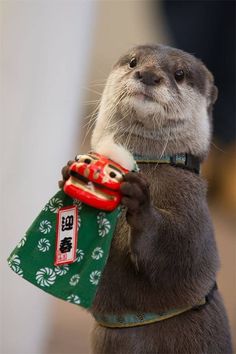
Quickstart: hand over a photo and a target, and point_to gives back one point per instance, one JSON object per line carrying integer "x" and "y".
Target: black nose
{"x": 147, "y": 77}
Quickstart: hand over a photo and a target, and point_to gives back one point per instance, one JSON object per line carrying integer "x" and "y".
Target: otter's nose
{"x": 147, "y": 77}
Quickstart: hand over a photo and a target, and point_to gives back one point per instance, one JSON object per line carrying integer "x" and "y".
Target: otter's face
{"x": 156, "y": 87}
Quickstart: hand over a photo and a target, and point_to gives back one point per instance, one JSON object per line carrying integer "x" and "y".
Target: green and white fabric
{"x": 33, "y": 258}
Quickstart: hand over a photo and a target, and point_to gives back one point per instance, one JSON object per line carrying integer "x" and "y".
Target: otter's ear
{"x": 213, "y": 94}
{"x": 212, "y": 89}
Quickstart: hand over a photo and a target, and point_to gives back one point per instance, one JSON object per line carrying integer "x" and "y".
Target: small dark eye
{"x": 87, "y": 161}
{"x": 179, "y": 75}
{"x": 133, "y": 63}
{"x": 112, "y": 174}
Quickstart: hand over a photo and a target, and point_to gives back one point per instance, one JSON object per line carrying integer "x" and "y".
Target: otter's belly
{"x": 196, "y": 332}
{"x": 122, "y": 288}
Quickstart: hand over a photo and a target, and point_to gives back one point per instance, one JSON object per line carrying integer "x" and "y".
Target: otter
{"x": 158, "y": 101}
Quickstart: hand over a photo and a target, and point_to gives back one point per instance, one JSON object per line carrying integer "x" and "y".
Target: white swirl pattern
{"x": 44, "y": 245}
{"x": 61, "y": 270}
{"x": 45, "y": 277}
{"x": 74, "y": 279}
{"x": 73, "y": 299}
{"x": 45, "y": 227}
{"x": 97, "y": 253}
{"x": 94, "y": 277}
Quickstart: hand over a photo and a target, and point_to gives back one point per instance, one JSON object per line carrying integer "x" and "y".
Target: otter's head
{"x": 158, "y": 98}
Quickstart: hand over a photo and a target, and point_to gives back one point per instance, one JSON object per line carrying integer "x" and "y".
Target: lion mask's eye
{"x": 113, "y": 172}
{"x": 85, "y": 158}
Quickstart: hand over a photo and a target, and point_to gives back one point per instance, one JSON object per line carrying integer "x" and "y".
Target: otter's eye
{"x": 133, "y": 63}
{"x": 179, "y": 75}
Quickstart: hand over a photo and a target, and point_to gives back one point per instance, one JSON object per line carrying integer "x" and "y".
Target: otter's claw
{"x": 65, "y": 174}
{"x": 135, "y": 191}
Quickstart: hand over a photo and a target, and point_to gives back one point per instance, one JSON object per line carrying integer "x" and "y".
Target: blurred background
{"x": 55, "y": 58}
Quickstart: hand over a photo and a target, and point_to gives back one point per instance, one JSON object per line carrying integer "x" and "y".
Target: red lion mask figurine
{"x": 95, "y": 180}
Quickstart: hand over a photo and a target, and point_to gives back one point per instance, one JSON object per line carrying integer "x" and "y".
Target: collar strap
{"x": 140, "y": 319}
{"x": 187, "y": 161}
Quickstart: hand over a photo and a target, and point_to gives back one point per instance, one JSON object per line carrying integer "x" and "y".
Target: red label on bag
{"x": 66, "y": 236}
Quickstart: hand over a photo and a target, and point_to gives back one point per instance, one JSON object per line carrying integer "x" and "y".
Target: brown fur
{"x": 163, "y": 254}
{"x": 175, "y": 265}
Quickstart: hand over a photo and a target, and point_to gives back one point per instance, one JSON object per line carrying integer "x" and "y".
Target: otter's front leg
{"x": 142, "y": 216}
{"x": 175, "y": 245}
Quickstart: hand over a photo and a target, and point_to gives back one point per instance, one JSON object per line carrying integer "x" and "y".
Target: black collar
{"x": 187, "y": 161}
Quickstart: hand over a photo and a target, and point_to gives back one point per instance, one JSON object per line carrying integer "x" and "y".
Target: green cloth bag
{"x": 33, "y": 258}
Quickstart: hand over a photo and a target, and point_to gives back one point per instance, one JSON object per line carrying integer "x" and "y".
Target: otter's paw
{"x": 65, "y": 174}
{"x": 135, "y": 191}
